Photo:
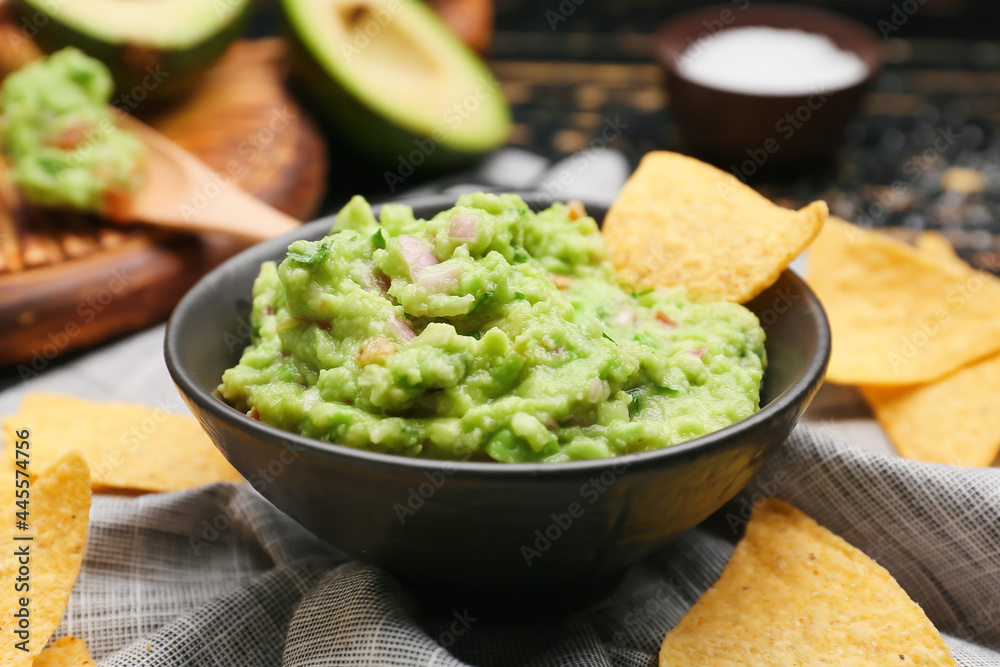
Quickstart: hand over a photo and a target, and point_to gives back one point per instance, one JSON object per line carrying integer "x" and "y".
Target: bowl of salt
{"x": 754, "y": 85}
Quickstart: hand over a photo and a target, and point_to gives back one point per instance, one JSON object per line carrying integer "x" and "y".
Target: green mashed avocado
{"x": 487, "y": 332}
{"x": 59, "y": 133}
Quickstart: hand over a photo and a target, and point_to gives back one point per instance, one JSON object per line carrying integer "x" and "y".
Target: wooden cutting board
{"x": 68, "y": 281}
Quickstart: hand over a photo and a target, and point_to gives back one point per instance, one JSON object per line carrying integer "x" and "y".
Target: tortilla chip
{"x": 66, "y": 652}
{"x": 937, "y": 244}
{"x": 126, "y": 446}
{"x": 58, "y": 520}
{"x": 796, "y": 594}
{"x": 900, "y": 315}
{"x": 954, "y": 420}
{"x": 681, "y": 222}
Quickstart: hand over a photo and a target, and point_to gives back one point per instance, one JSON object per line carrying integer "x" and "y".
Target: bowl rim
{"x": 809, "y": 379}
{"x": 874, "y": 59}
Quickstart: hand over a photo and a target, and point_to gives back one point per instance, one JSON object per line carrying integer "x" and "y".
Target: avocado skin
{"x": 170, "y": 72}
{"x": 382, "y": 142}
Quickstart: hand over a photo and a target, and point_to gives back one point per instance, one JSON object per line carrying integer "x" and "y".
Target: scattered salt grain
{"x": 770, "y": 61}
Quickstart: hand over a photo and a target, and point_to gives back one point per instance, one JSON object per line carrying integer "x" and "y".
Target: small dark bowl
{"x": 472, "y": 527}
{"x": 752, "y": 131}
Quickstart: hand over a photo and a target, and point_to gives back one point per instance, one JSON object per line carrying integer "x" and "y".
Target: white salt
{"x": 770, "y": 61}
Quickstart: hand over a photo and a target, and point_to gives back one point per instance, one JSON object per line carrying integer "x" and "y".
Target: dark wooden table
{"x": 936, "y": 106}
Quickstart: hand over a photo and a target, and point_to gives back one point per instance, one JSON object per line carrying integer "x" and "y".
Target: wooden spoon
{"x": 181, "y": 193}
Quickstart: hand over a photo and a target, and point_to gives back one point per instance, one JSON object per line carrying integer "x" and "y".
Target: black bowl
{"x": 483, "y": 529}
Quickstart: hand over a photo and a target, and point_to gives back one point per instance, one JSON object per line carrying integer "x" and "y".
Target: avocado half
{"x": 153, "y": 48}
{"x": 394, "y": 82}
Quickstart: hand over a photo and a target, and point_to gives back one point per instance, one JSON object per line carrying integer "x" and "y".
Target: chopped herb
{"x": 609, "y": 338}
{"x": 644, "y": 338}
{"x": 311, "y": 253}
{"x": 638, "y": 400}
{"x": 481, "y": 303}
{"x": 643, "y": 292}
{"x": 377, "y": 239}
{"x": 519, "y": 295}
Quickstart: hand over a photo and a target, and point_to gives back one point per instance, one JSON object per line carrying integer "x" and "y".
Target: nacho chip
{"x": 954, "y": 420}
{"x": 937, "y": 244}
{"x": 900, "y": 315}
{"x": 796, "y": 594}
{"x": 58, "y": 520}
{"x": 682, "y": 222}
{"x": 65, "y": 652}
{"x": 126, "y": 446}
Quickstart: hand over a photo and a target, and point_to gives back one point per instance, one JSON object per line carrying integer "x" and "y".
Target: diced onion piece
{"x": 596, "y": 392}
{"x": 402, "y": 328}
{"x": 698, "y": 352}
{"x": 625, "y": 317}
{"x": 381, "y": 280}
{"x": 417, "y": 255}
{"x": 439, "y": 281}
{"x": 463, "y": 228}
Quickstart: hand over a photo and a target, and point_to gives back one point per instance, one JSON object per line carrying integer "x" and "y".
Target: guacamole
{"x": 488, "y": 332}
{"x": 59, "y": 133}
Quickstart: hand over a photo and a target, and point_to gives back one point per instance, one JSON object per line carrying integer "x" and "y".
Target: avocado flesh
{"x": 160, "y": 47}
{"x": 390, "y": 78}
